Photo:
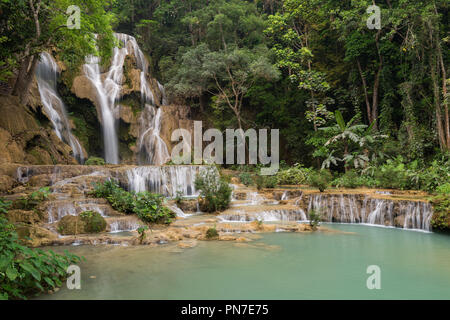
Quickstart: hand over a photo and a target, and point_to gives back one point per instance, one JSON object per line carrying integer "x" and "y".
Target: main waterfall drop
{"x": 109, "y": 92}
{"x": 47, "y": 74}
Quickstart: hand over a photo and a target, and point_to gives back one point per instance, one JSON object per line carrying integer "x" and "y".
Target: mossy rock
{"x": 86, "y": 222}
{"x": 95, "y": 161}
{"x": 94, "y": 222}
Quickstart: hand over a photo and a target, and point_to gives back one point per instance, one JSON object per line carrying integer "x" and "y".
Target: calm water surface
{"x": 414, "y": 265}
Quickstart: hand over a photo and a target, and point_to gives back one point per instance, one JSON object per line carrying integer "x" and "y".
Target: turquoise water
{"x": 414, "y": 265}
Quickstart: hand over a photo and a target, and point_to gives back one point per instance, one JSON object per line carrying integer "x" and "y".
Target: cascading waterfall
{"x": 374, "y": 211}
{"x": 152, "y": 146}
{"x": 166, "y": 180}
{"x": 47, "y": 74}
{"x": 267, "y": 216}
{"x": 108, "y": 89}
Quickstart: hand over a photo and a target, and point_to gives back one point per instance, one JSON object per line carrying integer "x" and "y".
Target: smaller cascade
{"x": 267, "y": 216}
{"x": 153, "y": 148}
{"x": 180, "y": 213}
{"x": 166, "y": 180}
{"x": 123, "y": 224}
{"x": 47, "y": 74}
{"x": 352, "y": 208}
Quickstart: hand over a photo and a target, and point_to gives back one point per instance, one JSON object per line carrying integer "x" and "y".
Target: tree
{"x": 346, "y": 133}
{"x": 33, "y": 26}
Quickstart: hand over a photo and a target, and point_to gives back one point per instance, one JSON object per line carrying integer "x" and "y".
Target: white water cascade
{"x": 166, "y": 180}
{"x": 109, "y": 87}
{"x": 374, "y": 211}
{"x": 152, "y": 146}
{"x": 47, "y": 74}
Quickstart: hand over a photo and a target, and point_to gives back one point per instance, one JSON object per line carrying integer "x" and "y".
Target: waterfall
{"x": 123, "y": 224}
{"x": 385, "y": 212}
{"x": 47, "y": 74}
{"x": 166, "y": 180}
{"x": 108, "y": 89}
{"x": 151, "y": 144}
{"x": 267, "y": 216}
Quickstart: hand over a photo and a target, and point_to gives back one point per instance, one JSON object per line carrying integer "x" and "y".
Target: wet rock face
{"x": 25, "y": 139}
{"x": 188, "y": 205}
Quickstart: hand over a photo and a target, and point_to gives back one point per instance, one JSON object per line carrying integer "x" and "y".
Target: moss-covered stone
{"x": 86, "y": 222}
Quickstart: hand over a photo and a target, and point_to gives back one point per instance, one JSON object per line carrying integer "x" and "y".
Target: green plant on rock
{"x": 295, "y": 175}
{"x": 149, "y": 208}
{"x": 212, "y": 233}
{"x": 215, "y": 192}
{"x": 246, "y": 178}
{"x": 314, "y": 219}
{"x": 141, "y": 231}
{"x": 268, "y": 182}
{"x": 25, "y": 272}
{"x": 94, "y": 222}
{"x": 33, "y": 199}
{"x": 122, "y": 200}
{"x": 320, "y": 179}
{"x": 179, "y": 197}
{"x": 95, "y": 161}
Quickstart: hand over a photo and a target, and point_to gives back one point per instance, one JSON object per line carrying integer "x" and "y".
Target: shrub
{"x": 269, "y": 182}
{"x": 215, "y": 192}
{"x": 122, "y": 200}
{"x": 441, "y": 215}
{"x": 149, "y": 208}
{"x": 33, "y": 199}
{"x": 141, "y": 231}
{"x": 246, "y": 178}
{"x": 105, "y": 189}
{"x": 320, "y": 179}
{"x": 212, "y": 233}
{"x": 293, "y": 176}
{"x": 24, "y": 271}
{"x": 94, "y": 222}
{"x": 444, "y": 189}
{"x": 95, "y": 161}
{"x": 314, "y": 219}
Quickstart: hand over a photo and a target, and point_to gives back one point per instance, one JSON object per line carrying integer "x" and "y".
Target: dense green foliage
{"x": 24, "y": 271}
{"x": 320, "y": 179}
{"x": 147, "y": 206}
{"x": 215, "y": 193}
{"x": 94, "y": 222}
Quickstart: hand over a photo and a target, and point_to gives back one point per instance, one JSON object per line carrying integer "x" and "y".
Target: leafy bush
{"x": 24, "y": 271}
{"x": 215, "y": 192}
{"x": 293, "y": 176}
{"x": 441, "y": 215}
{"x": 105, "y": 189}
{"x": 320, "y": 179}
{"x": 4, "y": 205}
{"x": 149, "y": 208}
{"x": 94, "y": 222}
{"x": 33, "y": 199}
{"x": 122, "y": 200}
{"x": 314, "y": 219}
{"x": 212, "y": 233}
{"x": 246, "y": 178}
{"x": 269, "y": 182}
{"x": 141, "y": 231}
{"x": 94, "y": 161}
{"x": 444, "y": 189}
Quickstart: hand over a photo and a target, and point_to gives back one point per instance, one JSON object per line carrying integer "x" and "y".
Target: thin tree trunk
{"x": 366, "y": 95}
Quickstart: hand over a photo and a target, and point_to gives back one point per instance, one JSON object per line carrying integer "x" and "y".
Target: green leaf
{"x": 11, "y": 273}
{"x": 29, "y": 268}
{"x": 49, "y": 281}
